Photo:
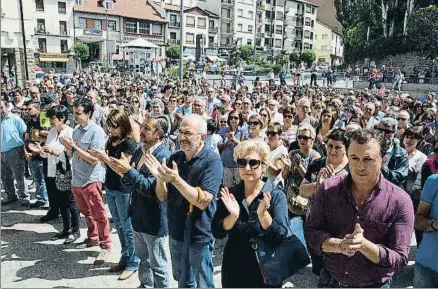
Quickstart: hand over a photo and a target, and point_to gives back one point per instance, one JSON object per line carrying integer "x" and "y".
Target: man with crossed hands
{"x": 360, "y": 223}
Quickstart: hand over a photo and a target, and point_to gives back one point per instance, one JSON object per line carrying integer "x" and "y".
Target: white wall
{"x": 11, "y": 25}
{"x": 195, "y": 30}
{"x": 246, "y": 6}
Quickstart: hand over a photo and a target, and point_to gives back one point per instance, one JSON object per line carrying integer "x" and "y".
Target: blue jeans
{"x": 425, "y": 277}
{"x": 37, "y": 171}
{"x": 118, "y": 203}
{"x": 154, "y": 267}
{"x": 201, "y": 264}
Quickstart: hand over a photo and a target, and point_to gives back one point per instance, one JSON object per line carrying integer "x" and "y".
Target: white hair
{"x": 197, "y": 121}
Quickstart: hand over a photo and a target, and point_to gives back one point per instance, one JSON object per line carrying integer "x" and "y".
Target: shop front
{"x": 59, "y": 62}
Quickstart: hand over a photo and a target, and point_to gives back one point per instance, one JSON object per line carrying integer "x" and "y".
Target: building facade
{"x": 54, "y": 34}
{"x": 106, "y": 29}
{"x": 329, "y": 46}
{"x": 300, "y": 19}
{"x": 15, "y": 58}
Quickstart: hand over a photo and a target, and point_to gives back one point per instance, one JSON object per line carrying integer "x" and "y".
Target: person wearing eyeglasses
{"x": 254, "y": 207}
{"x": 266, "y": 117}
{"x": 232, "y": 136}
{"x": 199, "y": 107}
{"x": 255, "y": 125}
{"x": 403, "y": 122}
{"x": 395, "y": 161}
{"x": 211, "y": 99}
{"x": 303, "y": 113}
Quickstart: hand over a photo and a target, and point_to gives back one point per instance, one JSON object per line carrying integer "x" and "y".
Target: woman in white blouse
{"x": 411, "y": 138}
{"x": 54, "y": 151}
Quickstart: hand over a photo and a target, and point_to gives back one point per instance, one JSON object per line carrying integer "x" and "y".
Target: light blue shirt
{"x": 426, "y": 253}
{"x": 90, "y": 137}
{"x": 13, "y": 129}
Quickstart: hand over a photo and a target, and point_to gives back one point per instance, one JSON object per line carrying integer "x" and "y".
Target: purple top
{"x": 387, "y": 219}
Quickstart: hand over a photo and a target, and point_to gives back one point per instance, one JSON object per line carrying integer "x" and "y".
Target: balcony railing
{"x": 300, "y": 12}
{"x": 227, "y": 2}
{"x": 174, "y": 24}
{"x": 212, "y": 29}
{"x": 260, "y": 35}
{"x": 174, "y": 41}
{"x": 298, "y": 37}
{"x": 298, "y": 24}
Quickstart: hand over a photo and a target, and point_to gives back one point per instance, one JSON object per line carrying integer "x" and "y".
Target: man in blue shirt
{"x": 12, "y": 159}
{"x": 426, "y": 219}
{"x": 190, "y": 182}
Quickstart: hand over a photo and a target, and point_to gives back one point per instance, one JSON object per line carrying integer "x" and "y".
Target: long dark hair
{"x": 119, "y": 119}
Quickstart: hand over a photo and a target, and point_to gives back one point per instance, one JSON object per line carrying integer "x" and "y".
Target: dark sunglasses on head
{"x": 385, "y": 131}
{"x": 253, "y": 163}
{"x": 254, "y": 123}
{"x": 303, "y": 137}
{"x": 271, "y": 133}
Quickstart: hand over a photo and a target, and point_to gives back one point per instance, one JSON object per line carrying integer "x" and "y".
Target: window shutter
{"x": 90, "y": 23}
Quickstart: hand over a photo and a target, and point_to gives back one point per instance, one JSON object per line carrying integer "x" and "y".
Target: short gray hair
{"x": 162, "y": 123}
{"x": 157, "y": 101}
{"x": 200, "y": 122}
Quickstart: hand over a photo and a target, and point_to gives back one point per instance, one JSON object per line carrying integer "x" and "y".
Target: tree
{"x": 173, "y": 51}
{"x": 308, "y": 56}
{"x": 423, "y": 32}
{"x": 294, "y": 56}
{"x": 246, "y": 52}
{"x": 82, "y": 52}
{"x": 281, "y": 59}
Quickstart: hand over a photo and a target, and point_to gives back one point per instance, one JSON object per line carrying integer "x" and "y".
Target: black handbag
{"x": 63, "y": 177}
{"x": 281, "y": 262}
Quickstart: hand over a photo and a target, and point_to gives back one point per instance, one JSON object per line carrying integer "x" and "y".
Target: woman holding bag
{"x": 251, "y": 209}
{"x": 59, "y": 173}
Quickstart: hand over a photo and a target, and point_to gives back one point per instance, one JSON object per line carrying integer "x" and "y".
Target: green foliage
{"x": 294, "y": 56}
{"x": 81, "y": 50}
{"x": 173, "y": 51}
{"x": 246, "y": 52}
{"x": 355, "y": 43}
{"x": 277, "y": 68}
{"x": 173, "y": 72}
{"x": 259, "y": 60}
{"x": 308, "y": 55}
{"x": 281, "y": 59}
{"x": 423, "y": 32}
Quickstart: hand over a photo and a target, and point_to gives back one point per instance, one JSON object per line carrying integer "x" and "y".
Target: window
{"x": 240, "y": 12}
{"x": 112, "y": 25}
{"x": 202, "y": 23}
{"x": 280, "y": 3}
{"x": 210, "y": 41}
{"x": 41, "y": 26}
{"x": 109, "y": 5}
{"x": 268, "y": 14}
{"x": 250, "y": 27}
{"x": 280, "y": 15}
{"x": 267, "y": 41}
{"x": 173, "y": 19}
{"x": 316, "y": 36}
{"x": 313, "y": 23}
{"x": 190, "y": 21}
{"x": 144, "y": 28}
{"x": 228, "y": 27}
{"x": 278, "y": 43}
{"x": 42, "y": 46}
{"x": 324, "y": 36}
{"x": 79, "y": 2}
{"x": 62, "y": 8}
{"x": 324, "y": 47}
{"x": 157, "y": 29}
{"x": 190, "y": 38}
{"x": 98, "y": 24}
{"x": 239, "y": 27}
{"x": 131, "y": 27}
{"x": 82, "y": 22}
{"x": 64, "y": 46}
{"x": 308, "y": 8}
{"x": 333, "y": 37}
{"x": 249, "y": 42}
{"x": 313, "y": 10}
{"x": 62, "y": 27}
{"x": 251, "y": 14}
{"x": 226, "y": 13}
{"x": 211, "y": 23}
{"x": 298, "y": 7}
{"x": 268, "y": 1}
{"x": 306, "y": 45}
{"x": 267, "y": 28}
{"x": 39, "y": 5}
{"x": 279, "y": 29}
{"x": 172, "y": 35}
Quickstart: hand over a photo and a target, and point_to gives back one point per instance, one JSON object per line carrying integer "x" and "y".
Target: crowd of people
{"x": 195, "y": 162}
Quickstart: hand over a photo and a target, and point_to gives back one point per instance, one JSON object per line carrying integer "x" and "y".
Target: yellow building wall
{"x": 321, "y": 30}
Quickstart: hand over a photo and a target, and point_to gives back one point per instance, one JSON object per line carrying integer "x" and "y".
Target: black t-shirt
{"x": 112, "y": 180}
{"x": 31, "y": 125}
{"x": 313, "y": 169}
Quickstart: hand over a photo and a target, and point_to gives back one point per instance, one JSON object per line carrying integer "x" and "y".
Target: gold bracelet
{"x": 201, "y": 195}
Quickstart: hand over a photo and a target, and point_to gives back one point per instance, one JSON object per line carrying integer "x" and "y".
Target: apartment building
{"x": 13, "y": 53}
{"x": 238, "y": 23}
{"x": 271, "y": 25}
{"x": 199, "y": 24}
{"x": 54, "y": 34}
{"x": 120, "y": 23}
{"x": 300, "y": 20}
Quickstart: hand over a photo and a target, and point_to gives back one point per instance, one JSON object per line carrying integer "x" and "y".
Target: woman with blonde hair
{"x": 250, "y": 209}
{"x": 120, "y": 145}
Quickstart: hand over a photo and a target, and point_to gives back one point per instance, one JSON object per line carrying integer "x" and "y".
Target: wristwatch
{"x": 434, "y": 224}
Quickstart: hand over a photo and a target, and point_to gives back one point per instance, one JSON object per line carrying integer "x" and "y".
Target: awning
{"x": 43, "y": 59}
{"x": 119, "y": 57}
{"x": 212, "y": 57}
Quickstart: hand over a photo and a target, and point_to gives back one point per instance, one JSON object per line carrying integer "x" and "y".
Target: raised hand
{"x": 230, "y": 202}
{"x": 353, "y": 242}
{"x": 152, "y": 164}
{"x": 168, "y": 175}
{"x": 121, "y": 165}
{"x": 264, "y": 205}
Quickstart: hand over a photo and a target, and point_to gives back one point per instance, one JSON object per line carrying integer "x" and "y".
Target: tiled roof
{"x": 138, "y": 9}
{"x": 177, "y": 8}
{"x": 327, "y": 14}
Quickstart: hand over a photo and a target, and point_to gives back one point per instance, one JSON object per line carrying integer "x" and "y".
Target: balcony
{"x": 300, "y": 12}
{"x": 228, "y": 45}
{"x": 174, "y": 41}
{"x": 174, "y": 24}
{"x": 260, "y": 35}
{"x": 228, "y": 31}
{"x": 268, "y": 34}
{"x": 212, "y": 30}
{"x": 298, "y": 24}
{"x": 227, "y": 2}
{"x": 298, "y": 37}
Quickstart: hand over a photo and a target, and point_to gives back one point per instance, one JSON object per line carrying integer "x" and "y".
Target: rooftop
{"x": 327, "y": 14}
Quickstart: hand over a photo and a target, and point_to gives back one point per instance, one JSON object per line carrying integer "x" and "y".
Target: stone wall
{"x": 408, "y": 61}
{"x": 414, "y": 89}
{"x": 20, "y": 66}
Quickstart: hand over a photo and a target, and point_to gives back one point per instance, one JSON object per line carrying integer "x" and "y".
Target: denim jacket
{"x": 396, "y": 168}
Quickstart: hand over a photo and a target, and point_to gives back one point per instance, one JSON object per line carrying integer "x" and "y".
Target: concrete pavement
{"x": 29, "y": 258}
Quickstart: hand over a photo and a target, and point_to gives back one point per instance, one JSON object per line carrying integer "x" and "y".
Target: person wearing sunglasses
{"x": 403, "y": 122}
{"x": 254, "y": 207}
{"x": 266, "y": 116}
{"x": 277, "y": 150}
{"x": 295, "y": 168}
{"x": 396, "y": 162}
{"x": 232, "y": 136}
{"x": 137, "y": 111}
{"x": 255, "y": 125}
{"x": 289, "y": 133}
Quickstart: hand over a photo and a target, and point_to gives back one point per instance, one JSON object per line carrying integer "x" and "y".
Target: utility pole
{"x": 106, "y": 42}
{"x": 181, "y": 44}
{"x": 23, "y": 35}
{"x": 255, "y": 35}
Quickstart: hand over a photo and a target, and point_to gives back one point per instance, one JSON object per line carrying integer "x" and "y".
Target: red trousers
{"x": 90, "y": 204}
